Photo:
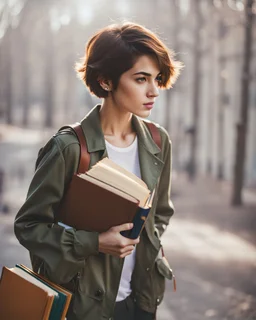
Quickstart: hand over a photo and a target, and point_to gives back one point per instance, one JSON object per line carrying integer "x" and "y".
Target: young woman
{"x": 111, "y": 277}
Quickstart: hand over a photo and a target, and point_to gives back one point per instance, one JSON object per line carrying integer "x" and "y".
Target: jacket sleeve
{"x": 164, "y": 207}
{"x": 63, "y": 250}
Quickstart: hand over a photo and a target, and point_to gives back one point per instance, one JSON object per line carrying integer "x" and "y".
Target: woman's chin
{"x": 143, "y": 114}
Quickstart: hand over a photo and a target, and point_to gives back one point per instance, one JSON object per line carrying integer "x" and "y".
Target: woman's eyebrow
{"x": 145, "y": 73}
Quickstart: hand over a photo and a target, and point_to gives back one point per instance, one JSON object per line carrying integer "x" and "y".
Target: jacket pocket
{"x": 163, "y": 268}
{"x": 90, "y": 291}
{"x": 91, "y": 282}
{"x": 162, "y": 272}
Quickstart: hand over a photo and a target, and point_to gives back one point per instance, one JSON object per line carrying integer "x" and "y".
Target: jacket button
{"x": 99, "y": 293}
{"x": 156, "y": 163}
{"x": 147, "y": 269}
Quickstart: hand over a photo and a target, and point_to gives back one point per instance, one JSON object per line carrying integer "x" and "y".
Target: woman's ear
{"x": 105, "y": 84}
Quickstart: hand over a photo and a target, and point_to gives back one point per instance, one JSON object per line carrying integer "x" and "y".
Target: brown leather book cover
{"x": 22, "y": 300}
{"x": 55, "y": 286}
{"x": 89, "y": 207}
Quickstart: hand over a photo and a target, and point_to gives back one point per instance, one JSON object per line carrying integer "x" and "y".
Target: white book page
{"x": 33, "y": 280}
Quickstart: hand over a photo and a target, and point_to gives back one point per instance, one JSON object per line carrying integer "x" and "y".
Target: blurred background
{"x": 210, "y": 114}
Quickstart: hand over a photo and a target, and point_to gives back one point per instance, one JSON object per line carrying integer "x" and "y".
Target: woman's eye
{"x": 159, "y": 79}
{"x": 142, "y": 79}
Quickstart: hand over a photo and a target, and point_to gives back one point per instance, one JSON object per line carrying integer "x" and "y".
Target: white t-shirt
{"x": 128, "y": 158}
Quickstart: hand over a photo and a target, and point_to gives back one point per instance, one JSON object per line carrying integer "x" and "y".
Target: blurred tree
{"x": 211, "y": 44}
{"x": 9, "y": 19}
{"x": 49, "y": 75}
{"x": 192, "y": 166}
{"x": 70, "y": 84}
{"x": 242, "y": 125}
{"x": 228, "y": 18}
{"x": 222, "y": 30}
{"x": 175, "y": 17}
{"x": 8, "y": 71}
{"x": 23, "y": 42}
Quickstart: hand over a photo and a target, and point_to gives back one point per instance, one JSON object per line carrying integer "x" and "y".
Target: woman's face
{"x": 138, "y": 87}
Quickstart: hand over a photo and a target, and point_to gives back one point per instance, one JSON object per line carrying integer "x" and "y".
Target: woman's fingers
{"x": 112, "y": 242}
{"x": 125, "y": 254}
{"x": 122, "y": 227}
{"x": 128, "y": 248}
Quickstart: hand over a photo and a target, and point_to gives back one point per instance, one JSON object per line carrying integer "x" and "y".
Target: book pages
{"x": 116, "y": 177}
{"x": 127, "y": 173}
{"x": 108, "y": 187}
{"x": 33, "y": 280}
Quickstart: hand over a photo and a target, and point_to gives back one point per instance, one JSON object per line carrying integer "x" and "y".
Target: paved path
{"x": 212, "y": 249}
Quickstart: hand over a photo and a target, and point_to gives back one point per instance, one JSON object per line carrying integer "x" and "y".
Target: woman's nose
{"x": 153, "y": 91}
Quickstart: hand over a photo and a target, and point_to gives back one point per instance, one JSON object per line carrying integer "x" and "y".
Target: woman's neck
{"x": 116, "y": 125}
{"x": 115, "y": 122}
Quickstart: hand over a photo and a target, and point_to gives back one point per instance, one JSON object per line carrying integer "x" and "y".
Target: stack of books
{"x": 25, "y": 295}
{"x": 105, "y": 196}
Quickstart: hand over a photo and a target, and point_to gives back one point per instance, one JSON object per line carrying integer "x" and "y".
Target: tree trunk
{"x": 168, "y": 111}
{"x": 8, "y": 74}
{"x": 25, "y": 82}
{"x": 24, "y": 37}
{"x": 212, "y": 92}
{"x": 49, "y": 80}
{"x": 222, "y": 32}
{"x": 175, "y": 26}
{"x": 221, "y": 122}
{"x": 242, "y": 126}
{"x": 2, "y": 63}
{"x": 192, "y": 168}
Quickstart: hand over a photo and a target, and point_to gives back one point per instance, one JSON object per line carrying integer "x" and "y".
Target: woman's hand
{"x": 112, "y": 242}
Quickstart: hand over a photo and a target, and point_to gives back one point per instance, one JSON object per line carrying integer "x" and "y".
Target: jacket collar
{"x": 92, "y": 130}
{"x": 151, "y": 165}
{"x": 95, "y": 138}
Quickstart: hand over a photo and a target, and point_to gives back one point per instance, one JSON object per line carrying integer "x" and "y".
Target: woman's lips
{"x": 149, "y": 105}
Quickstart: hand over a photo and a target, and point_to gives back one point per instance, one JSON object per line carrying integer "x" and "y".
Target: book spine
{"x": 138, "y": 223}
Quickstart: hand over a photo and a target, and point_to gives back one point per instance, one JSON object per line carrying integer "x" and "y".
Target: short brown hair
{"x": 114, "y": 50}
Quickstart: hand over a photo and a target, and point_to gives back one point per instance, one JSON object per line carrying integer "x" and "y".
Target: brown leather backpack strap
{"x": 84, "y": 154}
{"x": 154, "y": 133}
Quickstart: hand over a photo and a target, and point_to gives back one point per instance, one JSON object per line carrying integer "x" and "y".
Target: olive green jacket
{"x": 70, "y": 257}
